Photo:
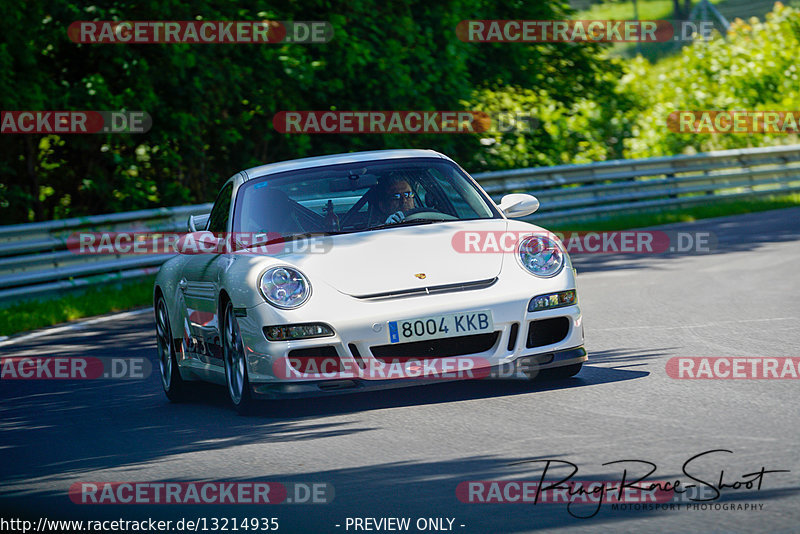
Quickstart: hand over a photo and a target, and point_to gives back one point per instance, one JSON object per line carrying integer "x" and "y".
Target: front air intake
{"x": 547, "y": 331}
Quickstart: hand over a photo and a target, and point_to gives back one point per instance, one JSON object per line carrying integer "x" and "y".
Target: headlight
{"x": 284, "y": 287}
{"x": 541, "y": 256}
{"x": 552, "y": 300}
{"x": 288, "y": 332}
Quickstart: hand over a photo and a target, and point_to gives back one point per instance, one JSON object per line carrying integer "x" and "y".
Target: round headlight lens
{"x": 541, "y": 256}
{"x": 284, "y": 287}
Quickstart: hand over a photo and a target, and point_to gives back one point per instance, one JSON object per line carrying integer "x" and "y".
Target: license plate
{"x": 439, "y": 326}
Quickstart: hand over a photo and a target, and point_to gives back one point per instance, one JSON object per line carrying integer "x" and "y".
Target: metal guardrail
{"x": 34, "y": 258}
{"x": 611, "y": 187}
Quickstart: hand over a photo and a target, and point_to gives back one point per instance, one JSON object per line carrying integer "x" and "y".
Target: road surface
{"x": 403, "y": 453}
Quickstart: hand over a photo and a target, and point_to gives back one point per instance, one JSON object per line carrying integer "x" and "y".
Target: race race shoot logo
{"x": 381, "y": 122}
{"x": 203, "y": 242}
{"x": 75, "y": 122}
{"x": 73, "y": 368}
{"x": 734, "y": 122}
{"x": 700, "y": 483}
{"x": 638, "y": 496}
{"x": 731, "y": 368}
{"x": 577, "y": 31}
{"x": 201, "y": 493}
{"x": 620, "y": 242}
{"x": 200, "y": 32}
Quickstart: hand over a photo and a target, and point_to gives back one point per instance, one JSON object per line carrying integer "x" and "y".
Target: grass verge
{"x": 689, "y": 214}
{"x": 77, "y": 304}
{"x": 648, "y": 10}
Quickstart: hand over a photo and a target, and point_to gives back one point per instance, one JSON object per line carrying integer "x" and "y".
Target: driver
{"x": 395, "y": 198}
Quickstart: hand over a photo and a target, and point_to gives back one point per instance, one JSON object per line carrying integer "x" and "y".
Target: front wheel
{"x": 174, "y": 386}
{"x": 236, "y": 364}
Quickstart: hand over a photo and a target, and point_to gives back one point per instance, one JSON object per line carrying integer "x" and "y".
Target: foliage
{"x": 532, "y": 128}
{"x": 212, "y": 104}
{"x": 753, "y": 68}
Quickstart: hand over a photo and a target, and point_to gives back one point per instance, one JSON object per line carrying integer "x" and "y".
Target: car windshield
{"x": 359, "y": 197}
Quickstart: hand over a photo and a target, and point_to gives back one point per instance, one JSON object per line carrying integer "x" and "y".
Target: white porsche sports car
{"x": 364, "y": 271}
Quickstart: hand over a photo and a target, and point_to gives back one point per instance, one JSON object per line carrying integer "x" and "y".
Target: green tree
{"x": 212, "y": 104}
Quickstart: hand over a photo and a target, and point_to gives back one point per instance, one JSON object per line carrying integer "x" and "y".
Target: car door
{"x": 199, "y": 284}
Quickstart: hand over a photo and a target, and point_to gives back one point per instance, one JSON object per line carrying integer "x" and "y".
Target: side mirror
{"x": 197, "y": 223}
{"x": 200, "y": 242}
{"x": 518, "y": 205}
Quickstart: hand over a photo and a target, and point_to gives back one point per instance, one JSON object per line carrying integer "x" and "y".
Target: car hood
{"x": 404, "y": 258}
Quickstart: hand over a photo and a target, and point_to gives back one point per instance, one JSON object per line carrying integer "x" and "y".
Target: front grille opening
{"x": 547, "y": 331}
{"x": 313, "y": 360}
{"x": 357, "y": 356}
{"x": 326, "y": 351}
{"x": 512, "y": 336}
{"x": 435, "y": 348}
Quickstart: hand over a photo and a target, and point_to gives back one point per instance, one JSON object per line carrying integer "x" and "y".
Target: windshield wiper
{"x": 415, "y": 222}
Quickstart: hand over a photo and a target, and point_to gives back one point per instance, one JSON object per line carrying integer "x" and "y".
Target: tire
{"x": 174, "y": 386}
{"x": 559, "y": 373}
{"x": 235, "y": 363}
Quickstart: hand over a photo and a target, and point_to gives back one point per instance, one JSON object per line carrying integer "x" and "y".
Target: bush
{"x": 753, "y": 68}
{"x": 212, "y": 104}
{"x": 535, "y": 129}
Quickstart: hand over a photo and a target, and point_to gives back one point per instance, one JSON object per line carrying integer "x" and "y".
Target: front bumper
{"x": 525, "y": 367}
{"x": 360, "y": 325}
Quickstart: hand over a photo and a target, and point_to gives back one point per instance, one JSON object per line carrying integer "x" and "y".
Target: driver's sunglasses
{"x": 404, "y": 194}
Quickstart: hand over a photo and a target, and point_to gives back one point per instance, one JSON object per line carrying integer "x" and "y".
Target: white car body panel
{"x": 396, "y": 254}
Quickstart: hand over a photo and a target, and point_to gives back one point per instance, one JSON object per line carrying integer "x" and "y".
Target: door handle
{"x": 182, "y": 284}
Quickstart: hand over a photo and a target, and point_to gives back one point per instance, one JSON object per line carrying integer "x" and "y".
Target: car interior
{"x": 355, "y": 198}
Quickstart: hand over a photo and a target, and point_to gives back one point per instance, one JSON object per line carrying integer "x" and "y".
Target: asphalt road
{"x": 402, "y": 453}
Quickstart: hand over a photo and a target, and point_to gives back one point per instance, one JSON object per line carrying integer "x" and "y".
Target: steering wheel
{"x": 427, "y": 213}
